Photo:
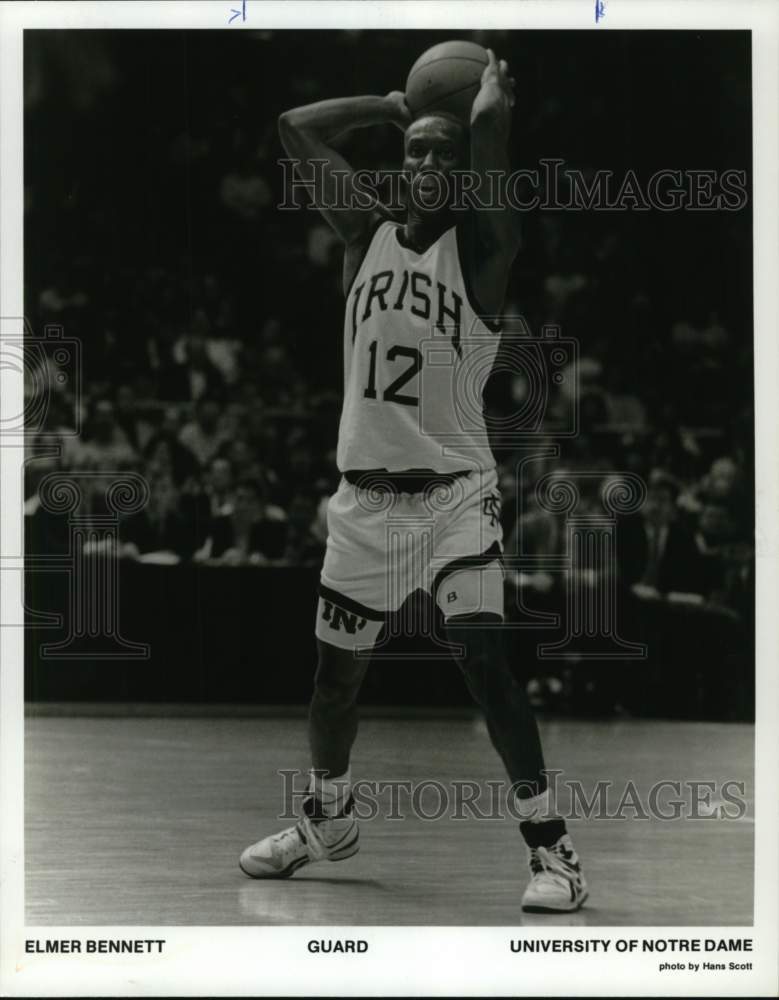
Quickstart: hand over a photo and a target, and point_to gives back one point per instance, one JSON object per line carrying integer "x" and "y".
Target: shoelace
{"x": 288, "y": 841}
{"x": 307, "y": 832}
{"x": 536, "y": 861}
{"x": 552, "y": 860}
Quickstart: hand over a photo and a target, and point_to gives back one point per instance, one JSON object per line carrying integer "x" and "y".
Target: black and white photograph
{"x": 389, "y": 499}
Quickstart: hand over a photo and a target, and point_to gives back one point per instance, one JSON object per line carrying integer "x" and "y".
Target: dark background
{"x": 151, "y": 235}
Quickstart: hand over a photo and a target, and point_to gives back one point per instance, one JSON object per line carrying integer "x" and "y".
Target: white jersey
{"x": 416, "y": 358}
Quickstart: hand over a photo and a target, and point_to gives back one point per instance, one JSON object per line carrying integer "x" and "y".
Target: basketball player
{"x": 442, "y": 273}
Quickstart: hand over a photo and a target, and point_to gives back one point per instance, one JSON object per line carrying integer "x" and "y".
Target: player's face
{"x": 434, "y": 147}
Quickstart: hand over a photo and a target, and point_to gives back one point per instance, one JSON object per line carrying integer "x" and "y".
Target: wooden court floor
{"x": 140, "y": 821}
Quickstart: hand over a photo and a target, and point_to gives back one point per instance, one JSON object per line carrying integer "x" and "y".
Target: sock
{"x": 539, "y": 825}
{"x": 333, "y": 795}
{"x": 535, "y": 809}
{"x": 542, "y": 834}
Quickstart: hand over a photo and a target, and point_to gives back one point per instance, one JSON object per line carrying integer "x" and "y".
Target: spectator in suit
{"x": 724, "y": 556}
{"x": 158, "y": 529}
{"x": 656, "y": 550}
{"x": 676, "y": 573}
{"x": 255, "y": 533}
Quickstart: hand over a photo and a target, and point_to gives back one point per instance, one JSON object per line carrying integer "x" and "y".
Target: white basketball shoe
{"x": 556, "y": 883}
{"x": 316, "y": 837}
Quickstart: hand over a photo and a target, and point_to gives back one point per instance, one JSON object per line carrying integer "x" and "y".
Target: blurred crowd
{"x": 210, "y": 321}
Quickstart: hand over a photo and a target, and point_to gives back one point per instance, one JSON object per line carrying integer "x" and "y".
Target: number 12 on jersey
{"x": 391, "y": 393}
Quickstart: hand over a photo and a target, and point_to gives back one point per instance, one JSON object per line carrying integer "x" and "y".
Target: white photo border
{"x": 236, "y": 961}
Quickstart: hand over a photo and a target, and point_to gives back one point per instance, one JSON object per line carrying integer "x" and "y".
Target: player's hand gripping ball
{"x": 446, "y": 79}
{"x": 401, "y": 115}
{"x": 497, "y": 72}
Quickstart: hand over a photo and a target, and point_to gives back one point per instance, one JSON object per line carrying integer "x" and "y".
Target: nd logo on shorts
{"x": 341, "y": 622}
{"x": 339, "y": 619}
{"x": 490, "y": 507}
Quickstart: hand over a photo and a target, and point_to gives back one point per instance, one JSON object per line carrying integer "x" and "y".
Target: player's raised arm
{"x": 307, "y": 133}
{"x": 494, "y": 232}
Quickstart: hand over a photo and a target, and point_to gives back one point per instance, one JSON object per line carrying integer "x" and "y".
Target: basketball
{"x": 446, "y": 79}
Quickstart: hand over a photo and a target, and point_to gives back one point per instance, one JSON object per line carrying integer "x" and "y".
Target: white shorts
{"x": 382, "y": 546}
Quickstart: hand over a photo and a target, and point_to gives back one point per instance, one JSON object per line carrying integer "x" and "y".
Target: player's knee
{"x": 483, "y": 659}
{"x": 338, "y": 676}
{"x": 334, "y": 694}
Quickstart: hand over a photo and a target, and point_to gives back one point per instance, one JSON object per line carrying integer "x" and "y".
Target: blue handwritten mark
{"x": 600, "y": 10}
{"x": 238, "y": 13}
